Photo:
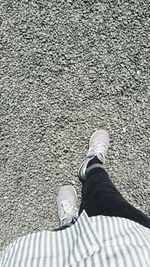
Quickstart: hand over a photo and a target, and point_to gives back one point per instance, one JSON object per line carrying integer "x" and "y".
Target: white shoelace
{"x": 99, "y": 149}
{"x": 68, "y": 211}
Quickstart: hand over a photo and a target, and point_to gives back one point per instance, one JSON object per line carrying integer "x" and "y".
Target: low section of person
{"x": 107, "y": 231}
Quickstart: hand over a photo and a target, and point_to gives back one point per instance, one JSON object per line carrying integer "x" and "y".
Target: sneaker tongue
{"x": 101, "y": 157}
{"x": 96, "y": 153}
{"x": 68, "y": 220}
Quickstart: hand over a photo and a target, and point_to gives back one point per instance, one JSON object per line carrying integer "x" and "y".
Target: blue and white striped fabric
{"x": 90, "y": 242}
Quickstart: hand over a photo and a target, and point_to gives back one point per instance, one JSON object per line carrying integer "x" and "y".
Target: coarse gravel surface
{"x": 68, "y": 68}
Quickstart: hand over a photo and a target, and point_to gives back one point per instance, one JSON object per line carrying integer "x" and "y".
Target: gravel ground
{"x": 68, "y": 68}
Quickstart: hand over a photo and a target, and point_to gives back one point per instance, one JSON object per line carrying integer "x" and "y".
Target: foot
{"x": 98, "y": 146}
{"x": 67, "y": 205}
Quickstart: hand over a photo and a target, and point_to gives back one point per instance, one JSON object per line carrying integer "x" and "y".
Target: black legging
{"x": 100, "y": 197}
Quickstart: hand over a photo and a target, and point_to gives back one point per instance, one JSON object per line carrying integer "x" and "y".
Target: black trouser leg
{"x": 100, "y": 197}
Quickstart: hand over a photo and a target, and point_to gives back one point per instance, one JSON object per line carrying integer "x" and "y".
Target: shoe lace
{"x": 68, "y": 210}
{"x": 98, "y": 149}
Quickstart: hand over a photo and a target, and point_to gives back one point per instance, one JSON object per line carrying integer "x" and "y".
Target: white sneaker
{"x": 67, "y": 204}
{"x": 98, "y": 146}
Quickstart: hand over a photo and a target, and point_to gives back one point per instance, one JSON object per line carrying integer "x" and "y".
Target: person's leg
{"x": 100, "y": 197}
